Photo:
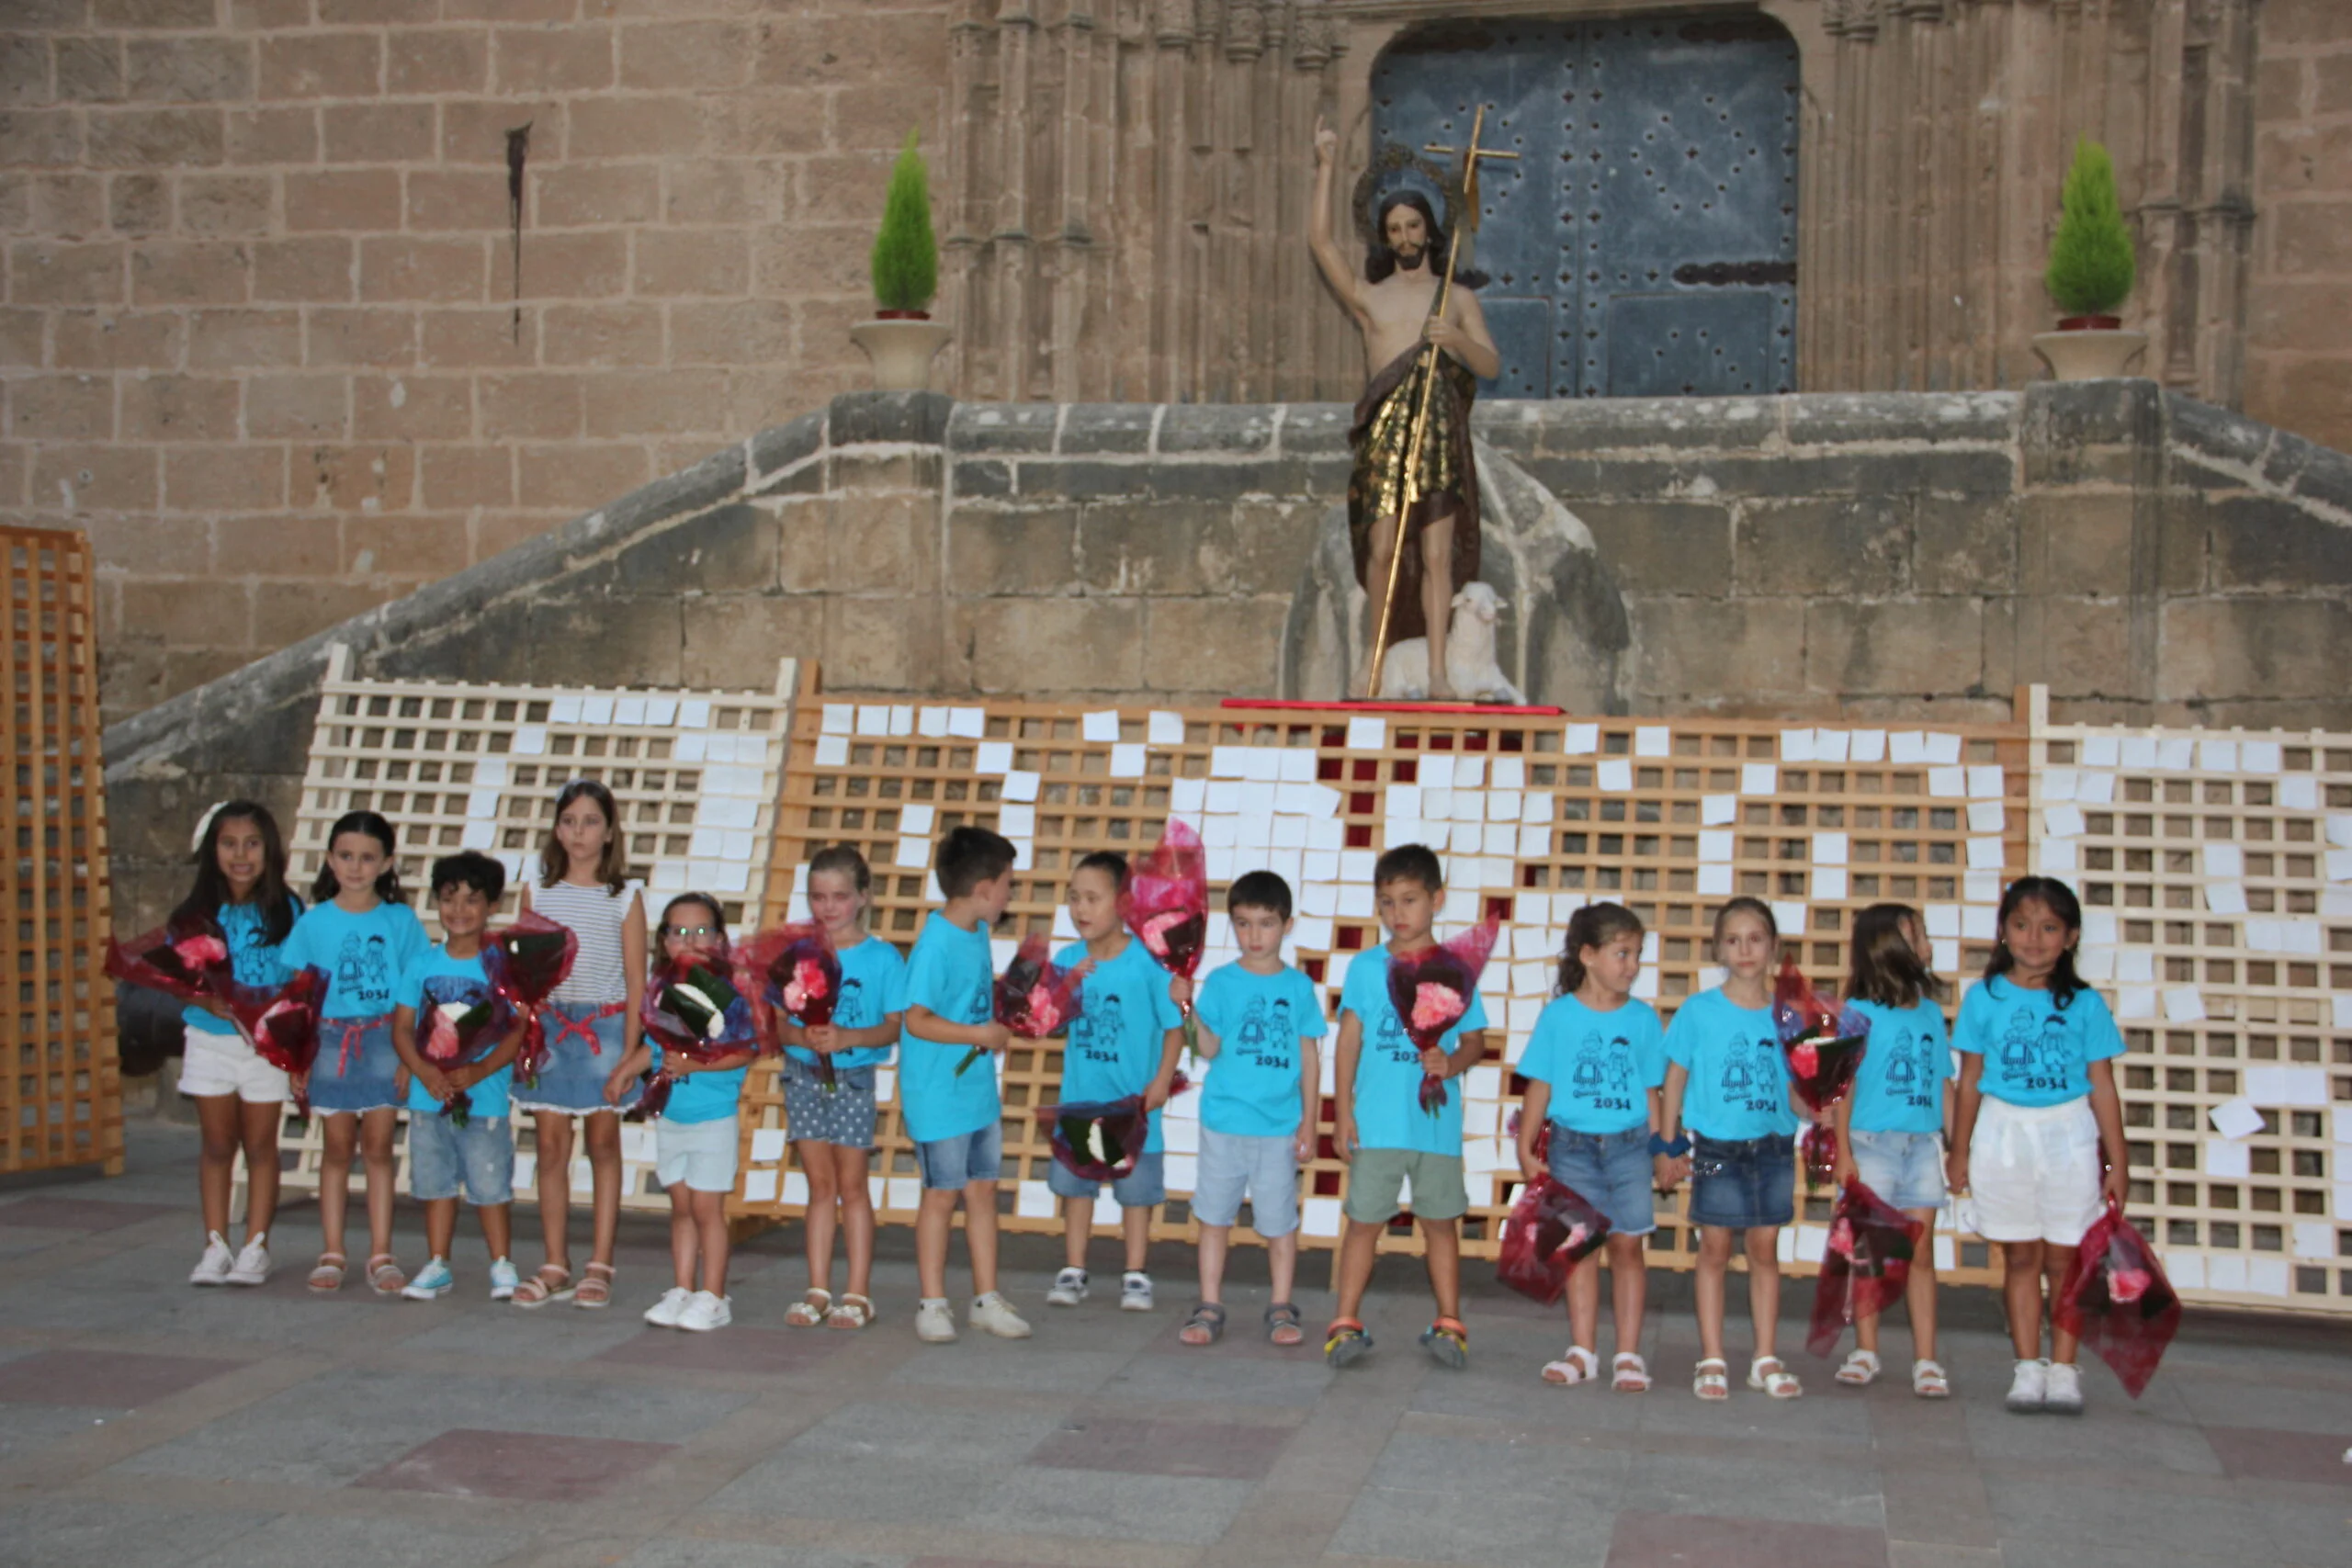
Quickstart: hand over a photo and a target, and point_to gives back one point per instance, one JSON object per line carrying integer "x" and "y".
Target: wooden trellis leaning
{"x": 61, "y": 1095}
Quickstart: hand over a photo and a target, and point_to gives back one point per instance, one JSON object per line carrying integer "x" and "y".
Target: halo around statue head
{"x": 1395, "y": 169}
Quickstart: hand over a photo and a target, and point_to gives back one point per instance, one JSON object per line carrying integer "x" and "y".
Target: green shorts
{"x": 1381, "y": 1181}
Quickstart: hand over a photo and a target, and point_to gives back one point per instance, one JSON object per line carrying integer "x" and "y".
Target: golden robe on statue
{"x": 1448, "y": 479}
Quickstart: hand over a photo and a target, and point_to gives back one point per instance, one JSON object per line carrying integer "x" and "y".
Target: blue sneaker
{"x": 432, "y": 1282}
{"x": 503, "y": 1279}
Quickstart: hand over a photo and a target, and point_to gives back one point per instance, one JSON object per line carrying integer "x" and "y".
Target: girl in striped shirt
{"x": 591, "y": 1022}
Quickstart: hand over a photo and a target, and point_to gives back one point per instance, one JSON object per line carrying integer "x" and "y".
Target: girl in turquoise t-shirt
{"x": 239, "y": 1098}
{"x": 1891, "y": 1129}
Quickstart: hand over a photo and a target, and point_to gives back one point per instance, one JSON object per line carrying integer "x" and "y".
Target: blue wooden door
{"x": 1644, "y": 242}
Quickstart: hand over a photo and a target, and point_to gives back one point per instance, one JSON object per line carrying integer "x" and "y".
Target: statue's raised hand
{"x": 1327, "y": 142}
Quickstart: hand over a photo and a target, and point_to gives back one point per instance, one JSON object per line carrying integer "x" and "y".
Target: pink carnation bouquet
{"x": 2118, "y": 1302}
{"x": 794, "y": 976}
{"x": 1035, "y": 996}
{"x": 1823, "y": 1044}
{"x": 1432, "y": 991}
{"x": 1551, "y": 1229}
{"x": 188, "y": 961}
{"x": 460, "y": 1022}
{"x": 525, "y": 961}
{"x": 1168, "y": 906}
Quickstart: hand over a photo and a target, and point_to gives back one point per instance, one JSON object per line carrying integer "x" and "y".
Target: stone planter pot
{"x": 901, "y": 351}
{"x": 2089, "y": 354}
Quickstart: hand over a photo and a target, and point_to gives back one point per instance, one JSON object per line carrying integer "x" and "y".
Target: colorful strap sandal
{"x": 1345, "y": 1342}
{"x": 1448, "y": 1343}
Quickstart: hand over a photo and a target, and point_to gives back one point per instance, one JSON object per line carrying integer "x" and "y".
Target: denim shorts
{"x": 355, "y": 1064}
{"x": 842, "y": 1116}
{"x": 1263, "y": 1167}
{"x": 444, "y": 1157}
{"x": 582, "y": 1050}
{"x": 1905, "y": 1168}
{"x": 1144, "y": 1187}
{"x": 1612, "y": 1171}
{"x": 1743, "y": 1183}
{"x": 950, "y": 1163}
{"x": 700, "y": 1154}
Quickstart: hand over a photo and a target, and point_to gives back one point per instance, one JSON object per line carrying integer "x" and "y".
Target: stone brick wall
{"x": 257, "y": 337}
{"x": 2298, "y": 371}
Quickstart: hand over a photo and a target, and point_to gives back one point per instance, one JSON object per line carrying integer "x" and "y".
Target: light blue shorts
{"x": 949, "y": 1164}
{"x": 700, "y": 1154}
{"x": 444, "y": 1157}
{"x": 1263, "y": 1167}
{"x": 1905, "y": 1168}
{"x": 1144, "y": 1187}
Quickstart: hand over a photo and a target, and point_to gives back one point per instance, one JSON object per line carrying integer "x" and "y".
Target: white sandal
{"x": 811, "y": 1310}
{"x": 1928, "y": 1381}
{"x": 1580, "y": 1365}
{"x": 1778, "y": 1382}
{"x": 1712, "y": 1382}
{"x": 1862, "y": 1370}
{"x": 1628, "y": 1373}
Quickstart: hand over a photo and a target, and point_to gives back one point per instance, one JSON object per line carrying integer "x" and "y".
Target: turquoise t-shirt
{"x": 1900, "y": 1087}
{"x": 1602, "y": 1065}
{"x": 1388, "y": 1067}
{"x": 252, "y": 959}
{"x": 874, "y": 986}
{"x": 364, "y": 956}
{"x": 703, "y": 1096}
{"x": 2035, "y": 1053}
{"x": 953, "y": 973}
{"x": 1253, "y": 1089}
{"x": 1739, "y": 1085}
{"x": 433, "y": 979}
{"x": 1122, "y": 1021}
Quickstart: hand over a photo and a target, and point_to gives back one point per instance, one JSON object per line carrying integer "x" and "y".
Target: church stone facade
{"x": 268, "y": 336}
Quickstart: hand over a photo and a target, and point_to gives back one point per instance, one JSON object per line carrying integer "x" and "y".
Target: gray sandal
{"x": 1207, "y": 1315}
{"x": 1282, "y": 1315}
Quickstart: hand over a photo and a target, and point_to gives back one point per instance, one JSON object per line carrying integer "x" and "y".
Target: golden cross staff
{"x": 1408, "y": 490}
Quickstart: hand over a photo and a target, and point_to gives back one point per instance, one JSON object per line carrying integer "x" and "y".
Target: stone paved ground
{"x": 144, "y": 1422}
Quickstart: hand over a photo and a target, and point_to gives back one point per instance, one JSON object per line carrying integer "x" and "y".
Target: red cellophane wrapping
{"x": 188, "y": 960}
{"x": 1550, "y": 1230}
{"x": 1035, "y": 996}
{"x": 1167, "y": 901}
{"x": 1866, "y": 1265}
{"x": 1433, "y": 990}
{"x": 792, "y": 976}
{"x": 283, "y": 1024}
{"x": 526, "y": 962}
{"x": 1823, "y": 1044}
{"x": 738, "y": 1031}
{"x": 2118, "y": 1302}
{"x": 1098, "y": 1140}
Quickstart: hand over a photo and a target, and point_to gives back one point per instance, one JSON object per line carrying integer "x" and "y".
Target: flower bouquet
{"x": 1098, "y": 1140}
{"x": 692, "y": 1009}
{"x": 1035, "y": 996}
{"x": 795, "y": 975}
{"x": 461, "y": 1023}
{"x": 2117, "y": 1301}
{"x": 1823, "y": 1044}
{"x": 1167, "y": 907}
{"x": 1432, "y": 991}
{"x": 1551, "y": 1229}
{"x": 526, "y": 962}
{"x": 188, "y": 961}
{"x": 284, "y": 1026}
{"x": 1867, "y": 1264}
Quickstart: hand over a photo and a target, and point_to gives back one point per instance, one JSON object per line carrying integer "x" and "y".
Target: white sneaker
{"x": 1068, "y": 1289}
{"x": 503, "y": 1279}
{"x": 1134, "y": 1293}
{"x": 934, "y": 1323}
{"x": 665, "y": 1313}
{"x": 704, "y": 1312}
{"x": 2063, "y": 1389}
{"x": 252, "y": 1267}
{"x": 213, "y": 1268}
{"x": 992, "y": 1314}
{"x": 2029, "y": 1389}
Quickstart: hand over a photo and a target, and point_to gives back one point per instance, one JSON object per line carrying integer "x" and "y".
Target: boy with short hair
{"x": 956, "y": 1121}
{"x": 1383, "y": 1133}
{"x": 443, "y": 1156}
{"x": 1124, "y": 1042}
{"x": 1259, "y": 1021}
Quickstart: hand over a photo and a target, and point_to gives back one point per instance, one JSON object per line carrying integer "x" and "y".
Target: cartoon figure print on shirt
{"x": 363, "y": 972}
{"x": 1095, "y": 1031}
{"x": 1264, "y": 1033}
{"x": 849, "y": 1008}
{"x": 1604, "y": 1072}
{"x": 2034, "y": 1055}
{"x": 1749, "y": 1081}
{"x": 1907, "y": 1064}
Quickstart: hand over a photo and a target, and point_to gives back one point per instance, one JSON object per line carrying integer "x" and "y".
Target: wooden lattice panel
{"x": 1535, "y": 815}
{"x": 2215, "y": 870}
{"x": 62, "y": 1096}
{"x": 463, "y": 765}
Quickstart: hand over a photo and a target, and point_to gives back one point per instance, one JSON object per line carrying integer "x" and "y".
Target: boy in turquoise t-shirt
{"x": 1259, "y": 1021}
{"x": 956, "y": 1119}
{"x": 1124, "y": 1042}
{"x": 443, "y": 1155}
{"x": 1383, "y": 1133}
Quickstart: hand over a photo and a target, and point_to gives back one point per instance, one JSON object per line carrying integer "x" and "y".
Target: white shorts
{"x": 700, "y": 1154}
{"x": 2034, "y": 1170}
{"x": 223, "y": 1063}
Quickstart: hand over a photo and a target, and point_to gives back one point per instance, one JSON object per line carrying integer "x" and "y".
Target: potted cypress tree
{"x": 903, "y": 338}
{"x": 2090, "y": 274}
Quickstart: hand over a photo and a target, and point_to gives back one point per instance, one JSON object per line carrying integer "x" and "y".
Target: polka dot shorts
{"x": 844, "y": 1117}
